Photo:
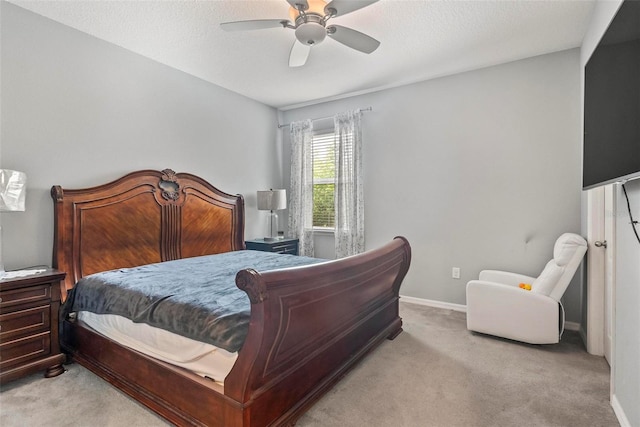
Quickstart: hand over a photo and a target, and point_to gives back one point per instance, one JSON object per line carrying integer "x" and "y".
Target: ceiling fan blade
{"x": 257, "y": 24}
{"x": 352, "y": 38}
{"x": 299, "y": 54}
{"x": 342, "y": 7}
{"x": 294, "y": 4}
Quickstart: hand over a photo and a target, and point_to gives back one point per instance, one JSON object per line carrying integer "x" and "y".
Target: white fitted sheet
{"x": 203, "y": 359}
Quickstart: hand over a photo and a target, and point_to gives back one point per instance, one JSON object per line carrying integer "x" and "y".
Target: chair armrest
{"x": 510, "y": 312}
{"x": 504, "y": 277}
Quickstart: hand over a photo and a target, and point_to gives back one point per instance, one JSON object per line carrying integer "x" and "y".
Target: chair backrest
{"x": 557, "y": 274}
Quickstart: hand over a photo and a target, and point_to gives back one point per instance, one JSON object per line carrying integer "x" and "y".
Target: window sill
{"x": 327, "y": 231}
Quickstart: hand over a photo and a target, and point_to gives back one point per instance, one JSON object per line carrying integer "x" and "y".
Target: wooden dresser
{"x": 29, "y": 325}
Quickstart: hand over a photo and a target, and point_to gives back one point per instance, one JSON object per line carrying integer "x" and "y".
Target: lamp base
{"x": 272, "y": 227}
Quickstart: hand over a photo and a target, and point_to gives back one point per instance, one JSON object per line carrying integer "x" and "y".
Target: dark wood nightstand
{"x": 29, "y": 325}
{"x": 282, "y": 246}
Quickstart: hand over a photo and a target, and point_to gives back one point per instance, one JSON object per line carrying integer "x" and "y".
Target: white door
{"x": 600, "y": 270}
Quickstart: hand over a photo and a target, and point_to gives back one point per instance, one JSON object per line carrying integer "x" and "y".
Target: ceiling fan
{"x": 309, "y": 20}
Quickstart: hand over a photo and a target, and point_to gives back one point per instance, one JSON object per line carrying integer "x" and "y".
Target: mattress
{"x": 193, "y": 297}
{"x": 200, "y": 358}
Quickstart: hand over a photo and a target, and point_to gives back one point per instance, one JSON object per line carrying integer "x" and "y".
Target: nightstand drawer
{"x": 25, "y": 295}
{"x": 24, "y": 322}
{"x": 286, "y": 248}
{"x": 22, "y": 350}
{"x": 283, "y": 246}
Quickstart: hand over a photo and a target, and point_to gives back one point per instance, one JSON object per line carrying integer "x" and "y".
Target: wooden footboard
{"x": 309, "y": 326}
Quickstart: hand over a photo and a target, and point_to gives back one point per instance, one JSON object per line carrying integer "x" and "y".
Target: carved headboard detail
{"x": 144, "y": 217}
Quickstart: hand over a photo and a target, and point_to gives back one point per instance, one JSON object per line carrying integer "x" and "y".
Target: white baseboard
{"x": 617, "y": 409}
{"x": 570, "y": 326}
{"x": 434, "y": 303}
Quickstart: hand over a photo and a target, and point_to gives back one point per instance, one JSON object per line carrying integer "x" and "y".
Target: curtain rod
{"x": 324, "y": 118}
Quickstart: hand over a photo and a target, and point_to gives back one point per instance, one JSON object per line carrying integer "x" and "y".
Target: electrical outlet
{"x": 455, "y": 272}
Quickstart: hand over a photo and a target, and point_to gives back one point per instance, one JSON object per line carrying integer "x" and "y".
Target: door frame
{"x": 610, "y": 210}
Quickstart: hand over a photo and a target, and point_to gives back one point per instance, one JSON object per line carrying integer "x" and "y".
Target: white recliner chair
{"x": 496, "y": 304}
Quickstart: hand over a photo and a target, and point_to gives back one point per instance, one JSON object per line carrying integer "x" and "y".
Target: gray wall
{"x": 78, "y": 111}
{"x": 478, "y": 170}
{"x": 626, "y": 351}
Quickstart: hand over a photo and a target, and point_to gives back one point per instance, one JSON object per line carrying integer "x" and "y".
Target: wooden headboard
{"x": 144, "y": 217}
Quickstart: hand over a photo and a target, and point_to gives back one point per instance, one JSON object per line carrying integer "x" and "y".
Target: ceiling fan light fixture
{"x": 311, "y": 33}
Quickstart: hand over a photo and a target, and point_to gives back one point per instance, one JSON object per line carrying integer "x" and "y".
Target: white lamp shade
{"x": 272, "y": 200}
{"x": 13, "y": 188}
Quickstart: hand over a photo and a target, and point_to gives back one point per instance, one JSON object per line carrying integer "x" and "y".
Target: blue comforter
{"x": 193, "y": 297}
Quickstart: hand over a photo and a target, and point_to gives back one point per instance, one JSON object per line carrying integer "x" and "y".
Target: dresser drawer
{"x": 24, "y": 322}
{"x": 27, "y": 295}
{"x": 22, "y": 350}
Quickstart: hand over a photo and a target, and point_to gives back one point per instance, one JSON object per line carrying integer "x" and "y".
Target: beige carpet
{"x": 436, "y": 373}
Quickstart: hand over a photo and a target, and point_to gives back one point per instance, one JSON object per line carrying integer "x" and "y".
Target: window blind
{"x": 324, "y": 180}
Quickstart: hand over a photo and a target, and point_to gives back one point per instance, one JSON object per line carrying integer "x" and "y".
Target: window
{"x": 326, "y": 184}
{"x": 324, "y": 180}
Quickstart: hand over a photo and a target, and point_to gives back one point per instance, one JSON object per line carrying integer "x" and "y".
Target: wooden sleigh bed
{"x": 308, "y": 325}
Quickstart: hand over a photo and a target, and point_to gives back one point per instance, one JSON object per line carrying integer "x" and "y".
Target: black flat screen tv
{"x": 612, "y": 102}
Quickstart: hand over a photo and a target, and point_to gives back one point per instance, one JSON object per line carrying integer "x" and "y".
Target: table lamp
{"x": 13, "y": 188}
{"x": 272, "y": 200}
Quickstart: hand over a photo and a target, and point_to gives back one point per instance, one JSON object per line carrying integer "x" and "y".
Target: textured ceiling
{"x": 420, "y": 39}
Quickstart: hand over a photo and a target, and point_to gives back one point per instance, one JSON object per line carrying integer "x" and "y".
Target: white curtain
{"x": 349, "y": 201}
{"x": 301, "y": 192}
